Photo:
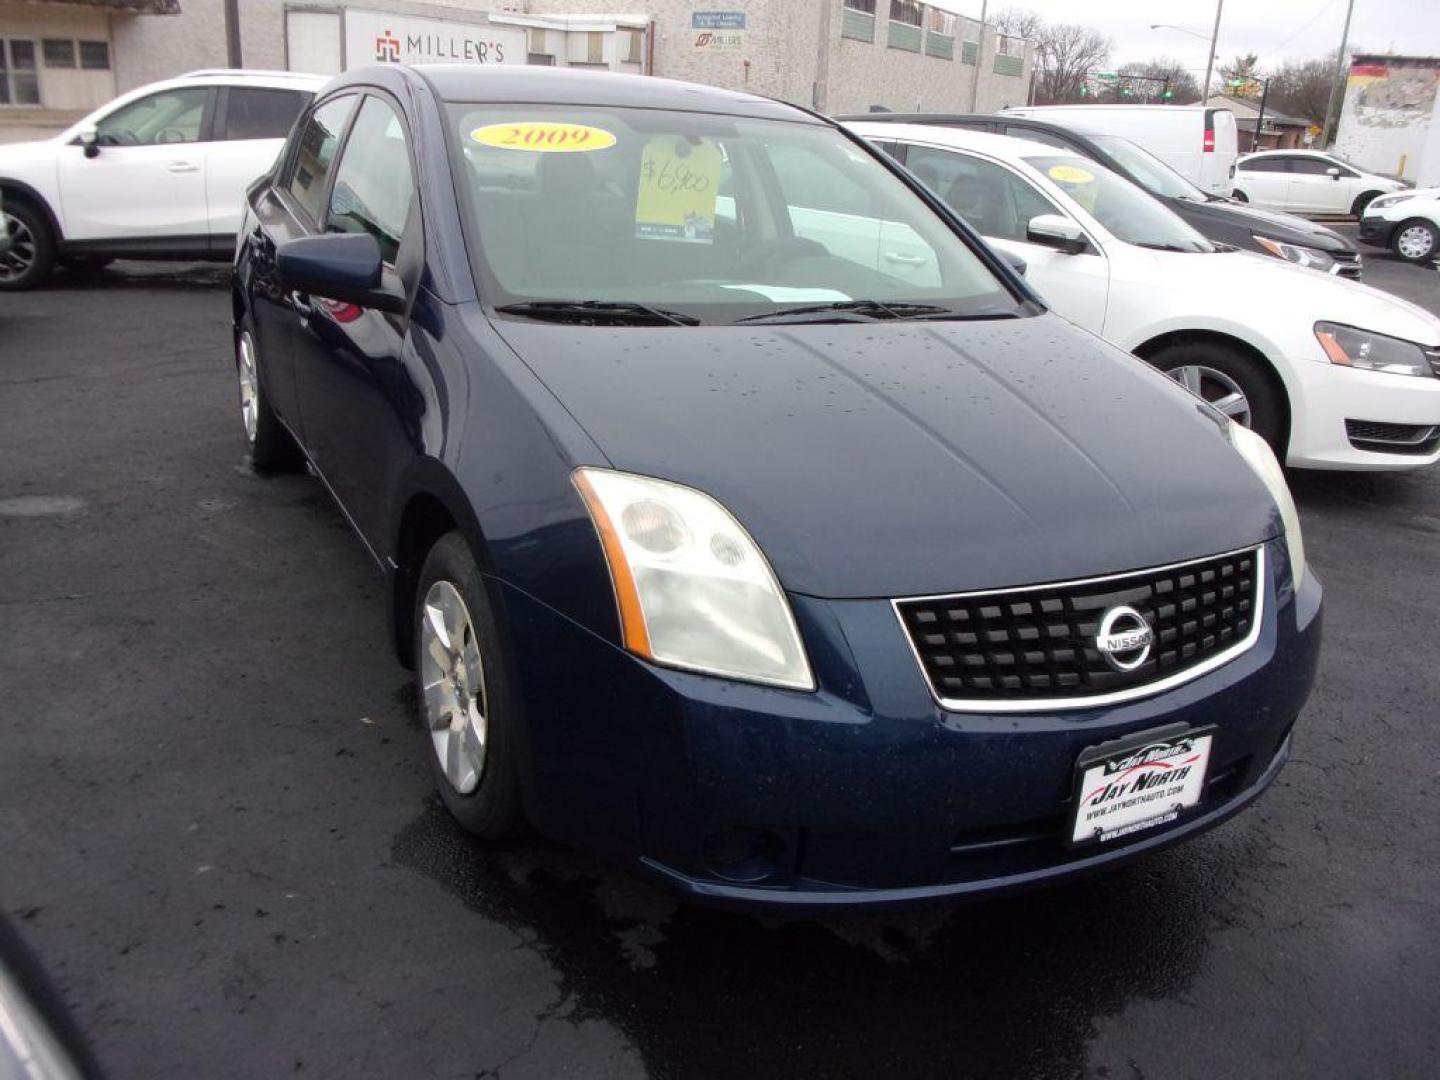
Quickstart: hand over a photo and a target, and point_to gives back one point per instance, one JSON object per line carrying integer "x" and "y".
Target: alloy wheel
{"x": 17, "y": 261}
{"x": 1219, "y": 389}
{"x": 249, "y": 385}
{"x": 453, "y": 678}
{"x": 1416, "y": 242}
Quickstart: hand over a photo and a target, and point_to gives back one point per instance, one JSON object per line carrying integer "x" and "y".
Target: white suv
{"x": 160, "y": 172}
{"x": 1308, "y": 182}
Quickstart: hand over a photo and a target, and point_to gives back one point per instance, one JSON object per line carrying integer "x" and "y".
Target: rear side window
{"x": 310, "y": 167}
{"x": 374, "y": 184}
{"x": 259, "y": 113}
{"x": 1265, "y": 164}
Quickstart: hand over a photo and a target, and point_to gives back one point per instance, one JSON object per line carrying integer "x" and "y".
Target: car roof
{"x": 254, "y": 77}
{"x": 1007, "y": 147}
{"x": 523, "y": 84}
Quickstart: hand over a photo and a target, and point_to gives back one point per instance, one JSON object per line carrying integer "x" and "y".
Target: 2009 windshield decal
{"x": 543, "y": 137}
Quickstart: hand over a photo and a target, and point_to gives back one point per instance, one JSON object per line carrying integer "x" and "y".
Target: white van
{"x": 1196, "y": 141}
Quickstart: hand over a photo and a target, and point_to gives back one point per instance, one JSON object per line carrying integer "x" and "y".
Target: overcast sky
{"x": 1276, "y": 29}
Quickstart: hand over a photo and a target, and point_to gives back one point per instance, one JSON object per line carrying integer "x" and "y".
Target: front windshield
{"x": 1125, "y": 210}
{"x": 1149, "y": 171}
{"x": 711, "y": 218}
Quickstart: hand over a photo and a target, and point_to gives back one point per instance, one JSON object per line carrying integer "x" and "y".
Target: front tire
{"x": 32, "y": 247}
{"x": 1362, "y": 201}
{"x": 1232, "y": 382}
{"x": 1239, "y": 196}
{"x": 272, "y": 449}
{"x": 469, "y": 705}
{"x": 1416, "y": 240}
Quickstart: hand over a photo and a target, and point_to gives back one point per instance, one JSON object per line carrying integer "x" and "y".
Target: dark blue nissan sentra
{"x": 745, "y": 519}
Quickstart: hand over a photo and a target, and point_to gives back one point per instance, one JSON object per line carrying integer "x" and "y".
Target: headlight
{"x": 1315, "y": 260}
{"x": 694, "y": 590}
{"x": 1351, "y": 347}
{"x": 1258, "y": 455}
{"x": 1388, "y": 200}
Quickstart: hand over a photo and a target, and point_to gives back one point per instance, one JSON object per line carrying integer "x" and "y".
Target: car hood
{"x": 894, "y": 459}
{"x": 1235, "y": 279}
{"x": 1272, "y": 223}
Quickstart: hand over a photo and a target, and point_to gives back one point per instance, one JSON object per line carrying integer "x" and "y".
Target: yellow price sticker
{"x": 1070, "y": 174}
{"x": 679, "y": 181}
{"x": 543, "y": 136}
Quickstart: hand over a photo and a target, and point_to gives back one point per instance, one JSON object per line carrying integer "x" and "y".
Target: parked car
{"x": 1197, "y": 141}
{"x": 160, "y": 172}
{"x": 1309, "y": 182}
{"x": 1334, "y": 374}
{"x": 1213, "y": 216}
{"x": 1408, "y": 223}
{"x": 793, "y": 575}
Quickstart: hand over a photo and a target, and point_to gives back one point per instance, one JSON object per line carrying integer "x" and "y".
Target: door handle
{"x": 903, "y": 259}
{"x": 182, "y": 167}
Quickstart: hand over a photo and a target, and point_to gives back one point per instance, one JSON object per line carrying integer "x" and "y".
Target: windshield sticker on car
{"x": 543, "y": 136}
{"x": 784, "y": 294}
{"x": 679, "y": 180}
{"x": 1070, "y": 174}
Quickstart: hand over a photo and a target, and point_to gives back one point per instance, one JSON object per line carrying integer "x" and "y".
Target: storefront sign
{"x": 376, "y": 37}
{"x": 717, "y": 31}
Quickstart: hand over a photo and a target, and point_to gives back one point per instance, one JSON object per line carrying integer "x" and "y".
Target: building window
{"x": 19, "y": 83}
{"x": 635, "y": 54}
{"x": 908, "y": 12}
{"x": 95, "y": 55}
{"x": 939, "y": 34}
{"x": 1011, "y": 46}
{"x": 858, "y": 20}
{"x": 539, "y": 59}
{"x": 867, "y": 6}
{"x": 941, "y": 22}
{"x": 58, "y": 53}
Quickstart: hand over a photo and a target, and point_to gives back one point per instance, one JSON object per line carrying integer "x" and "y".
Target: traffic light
{"x": 1168, "y": 92}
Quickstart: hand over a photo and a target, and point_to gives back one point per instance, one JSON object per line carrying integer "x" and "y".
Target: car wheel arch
{"x": 1364, "y": 199}
{"x": 19, "y": 191}
{"x": 433, "y": 506}
{"x": 1146, "y": 349}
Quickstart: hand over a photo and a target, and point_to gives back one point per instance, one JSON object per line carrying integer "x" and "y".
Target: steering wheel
{"x": 769, "y": 258}
{"x": 171, "y": 135}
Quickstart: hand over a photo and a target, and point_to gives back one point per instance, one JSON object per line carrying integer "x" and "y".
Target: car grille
{"x": 1392, "y": 438}
{"x": 1035, "y": 647}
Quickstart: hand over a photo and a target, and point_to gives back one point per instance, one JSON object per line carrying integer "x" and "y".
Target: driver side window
{"x": 165, "y": 118}
{"x": 992, "y": 200}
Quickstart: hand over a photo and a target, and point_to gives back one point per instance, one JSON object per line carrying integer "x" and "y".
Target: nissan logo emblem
{"x": 1125, "y": 638}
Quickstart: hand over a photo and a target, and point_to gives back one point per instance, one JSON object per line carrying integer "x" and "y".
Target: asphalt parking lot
{"x": 217, "y": 826}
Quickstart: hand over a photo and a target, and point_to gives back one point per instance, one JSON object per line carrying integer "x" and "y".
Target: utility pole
{"x": 979, "y": 55}
{"x": 1260, "y": 120}
{"x": 1339, "y": 69}
{"x": 1210, "y": 60}
{"x": 232, "y": 34}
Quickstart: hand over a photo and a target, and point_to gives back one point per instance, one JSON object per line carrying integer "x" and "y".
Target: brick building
{"x": 60, "y": 58}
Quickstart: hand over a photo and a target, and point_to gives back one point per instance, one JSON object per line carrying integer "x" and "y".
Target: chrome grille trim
{"x": 1130, "y": 693}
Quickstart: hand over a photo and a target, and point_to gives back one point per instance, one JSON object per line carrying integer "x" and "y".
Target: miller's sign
{"x": 376, "y": 37}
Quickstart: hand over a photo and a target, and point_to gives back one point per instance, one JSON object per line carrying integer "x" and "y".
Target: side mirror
{"x": 340, "y": 266}
{"x": 1333, "y": 173}
{"x": 1056, "y": 231}
{"x": 1016, "y": 262}
{"x": 90, "y": 140}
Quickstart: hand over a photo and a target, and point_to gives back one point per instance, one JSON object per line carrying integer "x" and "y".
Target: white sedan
{"x": 1308, "y": 182}
{"x": 160, "y": 172}
{"x": 1407, "y": 223}
{"x": 1336, "y": 375}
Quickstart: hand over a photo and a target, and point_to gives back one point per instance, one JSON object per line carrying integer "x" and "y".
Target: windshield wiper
{"x": 1169, "y": 247}
{"x": 608, "y": 310}
{"x": 863, "y": 309}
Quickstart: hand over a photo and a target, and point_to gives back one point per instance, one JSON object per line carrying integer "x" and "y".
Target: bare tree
{"x": 1241, "y": 76}
{"x": 1017, "y": 22}
{"x": 1184, "y": 86}
{"x": 1064, "y": 53}
{"x": 1302, "y": 88}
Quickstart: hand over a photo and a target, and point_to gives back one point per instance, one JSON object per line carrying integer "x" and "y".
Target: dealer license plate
{"x": 1138, "y": 783}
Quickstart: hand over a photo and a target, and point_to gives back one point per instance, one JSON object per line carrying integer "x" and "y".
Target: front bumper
{"x": 865, "y": 793}
{"x": 1330, "y": 395}
{"x": 1376, "y": 231}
